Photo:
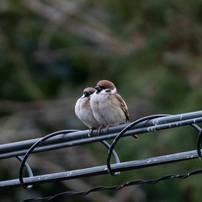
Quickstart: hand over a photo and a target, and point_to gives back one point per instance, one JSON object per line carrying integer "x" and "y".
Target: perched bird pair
{"x": 102, "y": 107}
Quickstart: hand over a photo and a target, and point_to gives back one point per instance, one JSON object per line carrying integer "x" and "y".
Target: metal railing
{"x": 70, "y": 138}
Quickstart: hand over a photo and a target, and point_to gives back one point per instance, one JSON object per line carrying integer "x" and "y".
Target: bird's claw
{"x": 99, "y": 129}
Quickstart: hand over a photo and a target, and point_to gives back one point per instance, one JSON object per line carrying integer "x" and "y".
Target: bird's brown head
{"x": 106, "y": 85}
{"x": 88, "y": 91}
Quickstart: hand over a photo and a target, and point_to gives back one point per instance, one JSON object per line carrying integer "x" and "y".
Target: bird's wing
{"x": 122, "y": 105}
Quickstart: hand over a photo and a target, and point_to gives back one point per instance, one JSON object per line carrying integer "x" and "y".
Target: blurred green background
{"x": 50, "y": 50}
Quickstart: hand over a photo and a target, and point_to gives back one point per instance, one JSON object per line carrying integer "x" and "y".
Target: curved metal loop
{"x": 114, "y": 153}
{"x": 198, "y": 146}
{"x": 29, "y": 170}
{"x": 111, "y": 172}
{"x": 23, "y": 162}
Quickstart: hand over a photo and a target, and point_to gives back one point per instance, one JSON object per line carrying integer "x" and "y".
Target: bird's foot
{"x": 91, "y": 130}
{"x": 99, "y": 129}
{"x": 107, "y": 128}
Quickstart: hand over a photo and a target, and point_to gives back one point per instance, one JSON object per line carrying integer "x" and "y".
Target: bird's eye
{"x": 107, "y": 90}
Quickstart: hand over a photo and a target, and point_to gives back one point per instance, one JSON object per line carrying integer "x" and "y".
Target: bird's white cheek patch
{"x": 103, "y": 92}
{"x": 114, "y": 91}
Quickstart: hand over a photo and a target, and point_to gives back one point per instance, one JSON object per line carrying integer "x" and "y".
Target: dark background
{"x": 51, "y": 50}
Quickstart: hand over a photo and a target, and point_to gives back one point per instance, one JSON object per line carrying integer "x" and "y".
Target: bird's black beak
{"x": 87, "y": 93}
{"x": 98, "y": 88}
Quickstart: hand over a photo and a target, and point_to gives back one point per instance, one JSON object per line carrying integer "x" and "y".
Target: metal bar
{"x": 83, "y": 137}
{"x": 44, "y": 147}
{"x": 85, "y": 133}
{"x": 20, "y": 148}
{"x": 100, "y": 170}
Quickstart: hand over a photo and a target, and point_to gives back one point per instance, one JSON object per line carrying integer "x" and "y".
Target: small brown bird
{"x": 108, "y": 107}
{"x": 83, "y": 109}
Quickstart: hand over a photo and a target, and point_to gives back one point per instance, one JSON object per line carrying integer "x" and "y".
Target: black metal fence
{"x": 70, "y": 138}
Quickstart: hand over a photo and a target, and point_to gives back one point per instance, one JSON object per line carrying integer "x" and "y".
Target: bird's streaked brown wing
{"x": 123, "y": 106}
{"x": 125, "y": 109}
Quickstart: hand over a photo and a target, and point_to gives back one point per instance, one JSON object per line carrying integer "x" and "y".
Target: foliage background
{"x": 51, "y": 49}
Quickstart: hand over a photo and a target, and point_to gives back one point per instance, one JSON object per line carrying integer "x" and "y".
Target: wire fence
{"x": 113, "y": 188}
{"x": 70, "y": 138}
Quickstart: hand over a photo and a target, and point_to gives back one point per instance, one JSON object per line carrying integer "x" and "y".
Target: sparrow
{"x": 109, "y": 108}
{"x": 83, "y": 109}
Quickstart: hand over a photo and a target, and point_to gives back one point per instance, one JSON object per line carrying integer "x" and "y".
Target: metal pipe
{"x": 100, "y": 170}
{"x": 85, "y": 133}
{"x": 83, "y": 137}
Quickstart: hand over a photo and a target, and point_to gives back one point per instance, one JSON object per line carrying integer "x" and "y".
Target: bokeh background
{"x": 50, "y": 50}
